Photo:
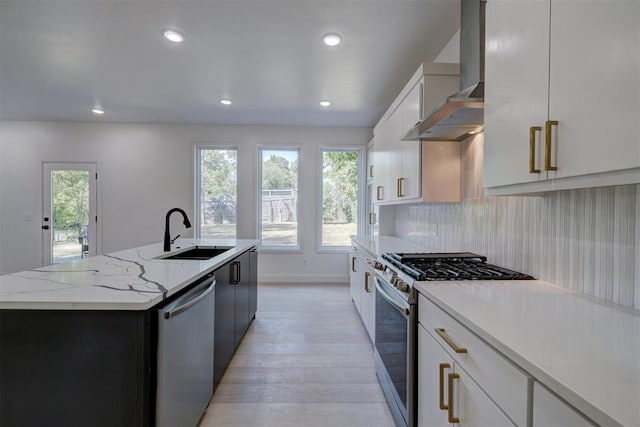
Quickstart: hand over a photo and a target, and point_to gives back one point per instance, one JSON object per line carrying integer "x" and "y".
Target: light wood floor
{"x": 305, "y": 361}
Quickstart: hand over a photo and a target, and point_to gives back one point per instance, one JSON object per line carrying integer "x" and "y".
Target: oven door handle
{"x": 385, "y": 295}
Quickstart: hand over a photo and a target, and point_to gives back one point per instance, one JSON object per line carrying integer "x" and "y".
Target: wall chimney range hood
{"x": 462, "y": 114}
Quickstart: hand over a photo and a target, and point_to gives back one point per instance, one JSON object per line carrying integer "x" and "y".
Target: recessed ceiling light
{"x": 97, "y": 111}
{"x": 325, "y": 103}
{"x": 225, "y": 101}
{"x": 332, "y": 39}
{"x": 173, "y": 36}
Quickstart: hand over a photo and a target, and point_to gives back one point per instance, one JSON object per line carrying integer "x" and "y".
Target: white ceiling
{"x": 60, "y": 57}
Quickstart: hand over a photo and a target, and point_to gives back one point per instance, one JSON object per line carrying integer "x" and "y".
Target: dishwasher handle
{"x": 191, "y": 298}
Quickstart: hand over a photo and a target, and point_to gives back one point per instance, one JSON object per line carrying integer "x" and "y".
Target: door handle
{"x": 367, "y": 276}
{"x": 441, "y": 369}
{"x": 45, "y": 227}
{"x": 452, "y": 419}
{"x": 532, "y": 148}
{"x": 547, "y": 140}
{"x": 235, "y": 272}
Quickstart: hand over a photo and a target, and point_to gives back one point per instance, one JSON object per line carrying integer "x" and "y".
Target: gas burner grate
{"x": 453, "y": 266}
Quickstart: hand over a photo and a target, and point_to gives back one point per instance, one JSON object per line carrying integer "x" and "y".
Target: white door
{"x": 69, "y": 216}
{"x": 517, "y": 79}
{"x": 595, "y": 86}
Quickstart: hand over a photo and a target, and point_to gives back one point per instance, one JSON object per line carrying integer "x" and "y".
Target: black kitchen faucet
{"x": 167, "y": 234}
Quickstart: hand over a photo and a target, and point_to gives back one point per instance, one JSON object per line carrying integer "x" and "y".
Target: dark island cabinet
{"x": 76, "y": 368}
{"x": 236, "y": 302}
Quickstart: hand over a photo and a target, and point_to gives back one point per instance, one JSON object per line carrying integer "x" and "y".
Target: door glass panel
{"x": 70, "y": 215}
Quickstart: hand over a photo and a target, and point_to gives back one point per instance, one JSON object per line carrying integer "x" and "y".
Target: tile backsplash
{"x": 587, "y": 240}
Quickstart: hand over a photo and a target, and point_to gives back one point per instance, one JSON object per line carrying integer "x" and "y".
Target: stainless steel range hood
{"x": 462, "y": 114}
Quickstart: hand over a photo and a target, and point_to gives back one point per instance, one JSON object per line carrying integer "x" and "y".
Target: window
{"x": 216, "y": 192}
{"x": 339, "y": 197}
{"x": 278, "y": 199}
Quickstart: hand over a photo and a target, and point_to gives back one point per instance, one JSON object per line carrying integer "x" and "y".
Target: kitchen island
{"x": 79, "y": 342}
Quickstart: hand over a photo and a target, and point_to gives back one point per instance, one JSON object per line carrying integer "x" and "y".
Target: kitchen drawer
{"x": 506, "y": 384}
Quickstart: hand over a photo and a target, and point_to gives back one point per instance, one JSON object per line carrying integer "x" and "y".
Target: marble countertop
{"x": 584, "y": 349}
{"x": 131, "y": 279}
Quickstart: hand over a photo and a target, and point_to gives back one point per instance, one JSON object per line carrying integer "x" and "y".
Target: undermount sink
{"x": 197, "y": 253}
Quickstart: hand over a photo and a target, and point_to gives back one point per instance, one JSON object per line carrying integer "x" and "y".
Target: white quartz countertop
{"x": 585, "y": 350}
{"x": 381, "y": 244}
{"x": 131, "y": 279}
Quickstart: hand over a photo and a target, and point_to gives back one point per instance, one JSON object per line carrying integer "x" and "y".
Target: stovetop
{"x": 450, "y": 266}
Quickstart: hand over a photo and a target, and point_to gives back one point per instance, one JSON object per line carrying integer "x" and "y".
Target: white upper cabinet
{"x": 516, "y": 88}
{"x": 562, "y": 106}
{"x": 402, "y": 172}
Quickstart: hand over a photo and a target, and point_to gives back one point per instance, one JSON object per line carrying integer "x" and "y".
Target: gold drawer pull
{"x": 532, "y": 148}
{"x": 371, "y": 171}
{"x": 443, "y": 366}
{"x": 399, "y": 187}
{"x": 448, "y": 340}
{"x": 547, "y": 140}
{"x": 353, "y": 264}
{"x": 367, "y": 275}
{"x": 452, "y": 419}
{"x": 372, "y": 218}
{"x": 379, "y": 192}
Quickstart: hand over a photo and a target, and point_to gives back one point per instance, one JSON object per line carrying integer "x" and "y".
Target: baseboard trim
{"x": 303, "y": 278}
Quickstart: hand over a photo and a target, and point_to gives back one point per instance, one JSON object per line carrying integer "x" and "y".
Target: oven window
{"x": 391, "y": 343}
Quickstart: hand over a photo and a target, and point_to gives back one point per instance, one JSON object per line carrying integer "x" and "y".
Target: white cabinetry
{"x": 409, "y": 171}
{"x": 354, "y": 279}
{"x": 461, "y": 377}
{"x": 562, "y": 106}
{"x": 550, "y": 411}
{"x": 447, "y": 394}
{"x": 362, "y": 287}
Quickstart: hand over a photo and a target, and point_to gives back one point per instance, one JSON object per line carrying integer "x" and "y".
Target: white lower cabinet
{"x": 447, "y": 395}
{"x": 354, "y": 279}
{"x": 478, "y": 385}
{"x": 550, "y": 411}
{"x": 362, "y": 287}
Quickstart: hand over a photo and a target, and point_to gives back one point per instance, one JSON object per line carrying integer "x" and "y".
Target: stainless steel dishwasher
{"x": 185, "y": 356}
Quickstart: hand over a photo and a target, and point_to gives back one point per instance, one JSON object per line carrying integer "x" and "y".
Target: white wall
{"x": 146, "y": 169}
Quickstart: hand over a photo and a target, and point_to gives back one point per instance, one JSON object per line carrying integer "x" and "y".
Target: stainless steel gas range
{"x": 397, "y": 319}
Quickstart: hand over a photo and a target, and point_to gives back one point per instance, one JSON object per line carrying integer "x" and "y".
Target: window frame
{"x": 320, "y": 248}
{"x": 277, "y": 248}
{"x": 198, "y": 183}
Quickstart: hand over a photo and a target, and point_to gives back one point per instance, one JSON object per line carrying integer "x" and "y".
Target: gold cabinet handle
{"x": 547, "y": 141}
{"x": 379, "y": 192}
{"x": 443, "y": 366}
{"x": 371, "y": 171}
{"x": 367, "y": 276}
{"x": 448, "y": 340}
{"x": 421, "y": 101}
{"x": 452, "y": 418}
{"x": 353, "y": 264}
{"x": 372, "y": 218}
{"x": 532, "y": 148}
{"x": 399, "y": 187}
